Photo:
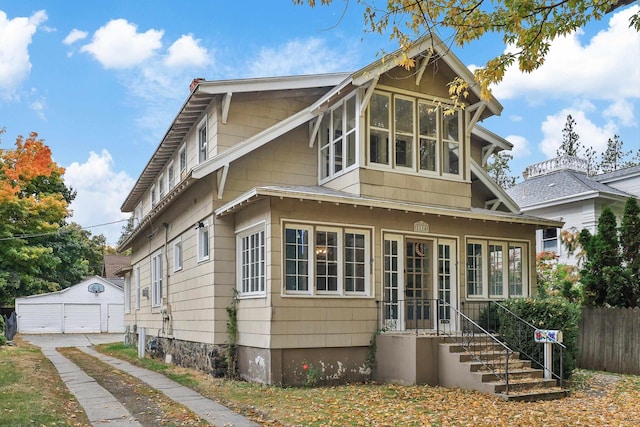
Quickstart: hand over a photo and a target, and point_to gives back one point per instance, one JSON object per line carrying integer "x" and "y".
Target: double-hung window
{"x": 337, "y": 138}
{"x": 156, "y": 279}
{"x": 154, "y": 196}
{"x": 171, "y": 176}
{"x": 550, "y": 240}
{"x": 127, "y": 293}
{"x": 326, "y": 260}
{"x": 182, "y": 161}
{"x": 202, "y": 142}
{"x": 177, "y": 254}
{"x": 203, "y": 241}
{"x": 426, "y": 138}
{"x": 161, "y": 186}
{"x": 251, "y": 262}
{"x": 496, "y": 269}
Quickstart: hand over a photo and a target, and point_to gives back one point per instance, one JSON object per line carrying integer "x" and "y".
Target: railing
{"x": 444, "y": 319}
{"x": 484, "y": 346}
{"x": 559, "y": 163}
{"x": 519, "y": 335}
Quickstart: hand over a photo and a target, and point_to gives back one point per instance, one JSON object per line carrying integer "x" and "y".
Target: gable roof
{"x": 617, "y": 175}
{"x": 337, "y": 84}
{"x": 561, "y": 186}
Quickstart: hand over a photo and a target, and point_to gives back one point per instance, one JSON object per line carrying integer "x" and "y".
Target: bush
{"x": 544, "y": 313}
{"x": 3, "y": 339}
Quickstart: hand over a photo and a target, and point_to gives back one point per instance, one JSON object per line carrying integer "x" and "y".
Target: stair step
{"x": 514, "y": 375}
{"x": 533, "y": 395}
{"x": 494, "y": 357}
{"x": 521, "y": 385}
{"x": 475, "y": 366}
{"x": 476, "y": 348}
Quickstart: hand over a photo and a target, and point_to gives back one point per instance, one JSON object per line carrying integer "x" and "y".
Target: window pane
{"x": 496, "y": 272}
{"x": 379, "y": 115}
{"x": 404, "y": 115}
{"x": 427, "y": 154}
{"x": 451, "y": 158}
{"x": 515, "y": 271}
{"x": 428, "y": 120}
{"x": 296, "y": 259}
{"x": 354, "y": 262}
{"x": 379, "y": 147}
{"x": 326, "y": 261}
{"x": 474, "y": 269}
{"x": 404, "y": 151}
{"x": 451, "y": 127}
{"x": 351, "y": 148}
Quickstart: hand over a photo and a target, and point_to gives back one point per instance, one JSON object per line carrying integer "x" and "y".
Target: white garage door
{"x": 39, "y": 318}
{"x": 115, "y": 320}
{"x": 84, "y": 318}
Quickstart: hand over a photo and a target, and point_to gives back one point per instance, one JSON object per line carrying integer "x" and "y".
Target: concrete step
{"x": 522, "y": 385}
{"x": 513, "y": 364}
{"x": 515, "y": 375}
{"x": 532, "y": 395}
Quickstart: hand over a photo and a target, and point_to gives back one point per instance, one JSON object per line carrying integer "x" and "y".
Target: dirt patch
{"x": 149, "y": 406}
{"x": 595, "y": 383}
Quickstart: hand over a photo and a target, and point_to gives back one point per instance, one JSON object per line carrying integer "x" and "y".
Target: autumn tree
{"x": 499, "y": 170}
{"x": 35, "y": 256}
{"x": 527, "y": 27}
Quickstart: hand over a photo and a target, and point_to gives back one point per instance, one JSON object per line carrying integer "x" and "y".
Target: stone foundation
{"x": 209, "y": 358}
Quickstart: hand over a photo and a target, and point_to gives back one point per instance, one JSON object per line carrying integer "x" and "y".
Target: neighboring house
{"x": 331, "y": 206}
{"x": 112, "y": 264}
{"x": 561, "y": 189}
{"x": 94, "y": 305}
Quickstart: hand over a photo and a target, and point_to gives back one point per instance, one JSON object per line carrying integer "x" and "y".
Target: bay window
{"x": 426, "y": 138}
{"x": 337, "y": 138}
{"x": 326, "y": 260}
{"x": 496, "y": 269}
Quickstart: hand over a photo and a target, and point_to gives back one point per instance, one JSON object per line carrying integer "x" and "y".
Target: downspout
{"x": 166, "y": 308}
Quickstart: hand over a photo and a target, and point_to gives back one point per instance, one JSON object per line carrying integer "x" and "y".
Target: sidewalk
{"x": 103, "y": 409}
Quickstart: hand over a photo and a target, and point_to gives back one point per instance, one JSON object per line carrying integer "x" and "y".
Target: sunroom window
{"x": 337, "y": 139}
{"x": 425, "y": 138}
{"x": 496, "y": 269}
{"x": 322, "y": 260}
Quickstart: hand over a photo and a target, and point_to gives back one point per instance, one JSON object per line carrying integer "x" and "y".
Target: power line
{"x": 59, "y": 231}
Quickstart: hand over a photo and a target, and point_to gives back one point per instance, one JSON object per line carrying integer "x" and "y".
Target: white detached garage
{"x": 94, "y": 305}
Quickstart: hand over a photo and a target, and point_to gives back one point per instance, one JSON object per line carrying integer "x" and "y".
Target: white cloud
{"x": 310, "y": 56}
{"x": 74, "y": 36}
{"x": 38, "y": 106}
{"x": 186, "y": 52}
{"x": 622, "y": 111}
{"x": 591, "y": 135}
{"x": 119, "y": 45}
{"x": 520, "y": 146}
{"x": 100, "y": 193}
{"x": 16, "y": 36}
{"x": 605, "y": 67}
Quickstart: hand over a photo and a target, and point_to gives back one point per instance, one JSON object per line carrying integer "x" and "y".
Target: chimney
{"x": 195, "y": 83}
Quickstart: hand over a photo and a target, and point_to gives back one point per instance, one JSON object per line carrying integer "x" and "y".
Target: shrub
{"x": 3, "y": 339}
{"x": 545, "y": 313}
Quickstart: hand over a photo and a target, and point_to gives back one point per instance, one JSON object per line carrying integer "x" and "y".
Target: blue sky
{"x": 102, "y": 81}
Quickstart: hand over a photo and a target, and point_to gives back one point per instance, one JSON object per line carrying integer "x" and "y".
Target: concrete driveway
{"x": 71, "y": 340}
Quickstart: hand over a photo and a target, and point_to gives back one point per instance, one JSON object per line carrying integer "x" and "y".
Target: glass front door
{"x": 418, "y": 284}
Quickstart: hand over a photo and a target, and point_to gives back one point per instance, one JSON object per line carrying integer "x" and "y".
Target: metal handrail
{"x": 560, "y": 376}
{"x": 488, "y": 336}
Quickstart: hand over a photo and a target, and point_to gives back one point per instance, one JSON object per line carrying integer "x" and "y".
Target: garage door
{"x": 115, "y": 320}
{"x": 39, "y": 318}
{"x": 83, "y": 318}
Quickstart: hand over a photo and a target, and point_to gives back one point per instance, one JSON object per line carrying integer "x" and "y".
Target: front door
{"x": 419, "y": 283}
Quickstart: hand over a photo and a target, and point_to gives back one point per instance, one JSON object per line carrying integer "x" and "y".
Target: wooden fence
{"x": 609, "y": 340}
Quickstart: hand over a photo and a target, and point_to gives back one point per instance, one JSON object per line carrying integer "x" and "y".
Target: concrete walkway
{"x": 102, "y": 408}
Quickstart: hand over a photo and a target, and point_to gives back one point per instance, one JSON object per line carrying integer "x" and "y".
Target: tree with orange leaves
{"x": 33, "y": 203}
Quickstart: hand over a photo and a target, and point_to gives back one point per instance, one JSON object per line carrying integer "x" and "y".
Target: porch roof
{"x": 328, "y": 195}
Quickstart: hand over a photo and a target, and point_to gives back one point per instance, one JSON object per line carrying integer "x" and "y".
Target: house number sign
{"x": 421, "y": 227}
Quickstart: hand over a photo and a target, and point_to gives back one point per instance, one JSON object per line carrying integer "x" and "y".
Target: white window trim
{"x": 156, "y": 280}
{"x": 202, "y": 125}
{"x": 311, "y": 267}
{"x": 331, "y": 143}
{"x": 161, "y": 186}
{"x": 240, "y": 235}
{"x": 127, "y": 293}
{"x": 177, "y": 254}
{"x": 199, "y": 237}
{"x": 136, "y": 271}
{"x": 171, "y": 171}
{"x": 182, "y": 172}
{"x": 153, "y": 196}
{"x": 485, "y": 242}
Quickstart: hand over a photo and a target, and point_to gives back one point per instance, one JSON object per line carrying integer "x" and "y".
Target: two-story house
{"x": 331, "y": 206}
{"x": 562, "y": 189}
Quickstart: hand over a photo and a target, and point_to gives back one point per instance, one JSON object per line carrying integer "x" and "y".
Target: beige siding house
{"x": 330, "y": 208}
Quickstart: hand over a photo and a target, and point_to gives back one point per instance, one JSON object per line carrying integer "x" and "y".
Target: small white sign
{"x": 421, "y": 227}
